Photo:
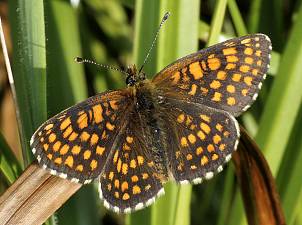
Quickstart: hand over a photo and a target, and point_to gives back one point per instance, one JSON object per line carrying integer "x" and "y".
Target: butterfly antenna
{"x": 166, "y": 16}
{"x": 82, "y": 60}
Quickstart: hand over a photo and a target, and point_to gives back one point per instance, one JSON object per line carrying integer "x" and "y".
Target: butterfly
{"x": 178, "y": 126}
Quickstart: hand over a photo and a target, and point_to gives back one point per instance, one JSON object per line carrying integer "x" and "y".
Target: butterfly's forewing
{"x": 226, "y": 76}
{"x": 76, "y": 143}
{"x": 201, "y": 139}
{"x": 130, "y": 180}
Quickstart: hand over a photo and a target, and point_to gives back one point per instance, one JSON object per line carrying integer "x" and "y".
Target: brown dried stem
{"x": 34, "y": 197}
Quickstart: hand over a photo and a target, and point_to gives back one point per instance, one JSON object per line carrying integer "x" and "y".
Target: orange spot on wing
{"x": 69, "y": 161}
{"x": 67, "y": 132}
{"x": 110, "y": 126}
{"x": 248, "y": 60}
{"x": 204, "y": 160}
{"x": 140, "y": 160}
{"x": 126, "y": 196}
{"x": 76, "y": 150}
{"x": 248, "y": 80}
{"x": 87, "y": 154}
{"x": 236, "y": 77}
{"x": 216, "y": 139}
{"x": 113, "y": 104}
{"x": 199, "y": 150}
{"x": 229, "y": 51}
{"x": 205, "y": 127}
{"x": 82, "y": 121}
{"x": 231, "y": 101}
{"x": 73, "y": 136}
{"x": 230, "y": 66}
{"x": 244, "y": 68}
{"x": 134, "y": 178}
{"x": 84, "y": 136}
{"x": 64, "y": 149}
{"x": 184, "y": 142}
{"x": 58, "y": 160}
{"x": 215, "y": 84}
{"x": 232, "y": 58}
{"x": 196, "y": 71}
{"x": 94, "y": 139}
{"x": 248, "y": 51}
{"x": 201, "y": 135}
{"x": 175, "y": 77}
{"x": 93, "y": 164}
{"x": 124, "y": 186}
{"x": 125, "y": 168}
{"x": 221, "y": 75}
{"x": 48, "y": 127}
{"x": 56, "y": 146}
{"x": 129, "y": 139}
{"x": 133, "y": 163}
{"x": 100, "y": 150}
{"x": 80, "y": 168}
{"x": 214, "y": 63}
{"x": 65, "y": 123}
{"x": 193, "y": 89}
{"x": 216, "y": 97}
{"x": 97, "y": 113}
{"x": 136, "y": 190}
{"x": 231, "y": 88}
{"x": 52, "y": 137}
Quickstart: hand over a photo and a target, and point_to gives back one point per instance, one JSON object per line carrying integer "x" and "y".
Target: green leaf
{"x": 217, "y": 22}
{"x": 9, "y": 165}
{"x": 29, "y": 67}
{"x": 284, "y": 100}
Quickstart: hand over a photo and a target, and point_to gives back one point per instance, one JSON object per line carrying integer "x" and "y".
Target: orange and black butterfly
{"x": 178, "y": 126}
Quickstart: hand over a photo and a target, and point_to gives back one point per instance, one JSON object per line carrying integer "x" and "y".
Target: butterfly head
{"x": 133, "y": 76}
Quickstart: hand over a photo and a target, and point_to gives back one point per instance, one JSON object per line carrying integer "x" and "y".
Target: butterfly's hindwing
{"x": 225, "y": 76}
{"x": 75, "y": 143}
{"x": 201, "y": 139}
{"x": 130, "y": 180}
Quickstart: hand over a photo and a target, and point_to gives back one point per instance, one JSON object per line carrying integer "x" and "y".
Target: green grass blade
{"x": 173, "y": 44}
{"x": 66, "y": 83}
{"x": 146, "y": 21}
{"x": 29, "y": 67}
{"x": 227, "y": 196}
{"x": 237, "y": 18}
{"x": 9, "y": 165}
{"x": 289, "y": 177}
{"x": 217, "y": 21}
{"x": 66, "y": 86}
{"x": 254, "y": 16}
{"x": 283, "y": 103}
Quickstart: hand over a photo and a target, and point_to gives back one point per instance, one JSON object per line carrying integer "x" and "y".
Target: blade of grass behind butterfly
{"x": 289, "y": 176}
{"x": 29, "y": 67}
{"x": 217, "y": 22}
{"x": 173, "y": 44}
{"x": 147, "y": 19}
{"x": 236, "y": 210}
{"x": 283, "y": 103}
{"x": 9, "y": 165}
{"x": 67, "y": 86}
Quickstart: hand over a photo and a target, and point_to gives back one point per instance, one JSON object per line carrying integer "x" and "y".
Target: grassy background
{"x": 45, "y": 37}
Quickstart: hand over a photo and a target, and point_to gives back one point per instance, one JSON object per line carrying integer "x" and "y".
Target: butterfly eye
{"x": 130, "y": 81}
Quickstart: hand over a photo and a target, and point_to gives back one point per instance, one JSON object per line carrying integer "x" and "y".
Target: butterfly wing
{"x": 75, "y": 143}
{"x": 130, "y": 180}
{"x": 201, "y": 139}
{"x": 226, "y": 76}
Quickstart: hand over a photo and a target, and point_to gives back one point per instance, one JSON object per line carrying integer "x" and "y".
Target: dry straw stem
{"x": 258, "y": 188}
{"x": 34, "y": 197}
